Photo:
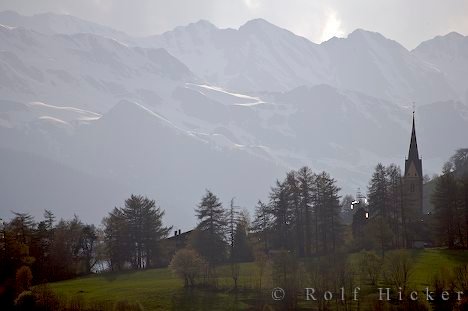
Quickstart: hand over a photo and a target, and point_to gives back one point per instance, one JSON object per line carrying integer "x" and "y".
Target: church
{"x": 412, "y": 193}
{"x": 413, "y": 177}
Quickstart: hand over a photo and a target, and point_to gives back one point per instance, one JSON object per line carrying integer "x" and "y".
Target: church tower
{"x": 413, "y": 177}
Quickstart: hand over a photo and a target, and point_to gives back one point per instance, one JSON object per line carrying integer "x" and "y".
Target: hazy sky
{"x": 407, "y": 21}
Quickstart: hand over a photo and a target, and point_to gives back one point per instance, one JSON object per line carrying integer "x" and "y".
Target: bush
{"x": 187, "y": 264}
{"x": 23, "y": 279}
{"x": 26, "y": 301}
{"x": 46, "y": 300}
{"x": 370, "y": 265}
{"x": 399, "y": 267}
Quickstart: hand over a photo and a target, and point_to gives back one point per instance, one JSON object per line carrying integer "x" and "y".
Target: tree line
{"x": 450, "y": 202}
{"x": 304, "y": 216}
{"x": 384, "y": 222}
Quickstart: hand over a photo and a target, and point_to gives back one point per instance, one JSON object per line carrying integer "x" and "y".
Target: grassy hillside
{"x": 159, "y": 289}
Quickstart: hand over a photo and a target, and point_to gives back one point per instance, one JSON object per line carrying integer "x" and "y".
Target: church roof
{"x": 413, "y": 154}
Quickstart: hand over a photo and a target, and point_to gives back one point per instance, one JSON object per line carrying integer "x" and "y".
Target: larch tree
{"x": 306, "y": 180}
{"x": 209, "y": 236}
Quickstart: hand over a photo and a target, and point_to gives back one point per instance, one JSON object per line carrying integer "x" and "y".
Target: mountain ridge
{"x": 226, "y": 109}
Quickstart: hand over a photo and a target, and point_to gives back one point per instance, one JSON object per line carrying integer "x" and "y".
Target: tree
{"x": 378, "y": 192}
{"x": 23, "y": 225}
{"x": 359, "y": 229}
{"x": 49, "y": 219}
{"x": 232, "y": 220}
{"x": 294, "y": 201}
{"x": 396, "y": 215}
{"x": 283, "y": 216}
{"x": 117, "y": 239}
{"x": 87, "y": 243}
{"x": 399, "y": 268}
{"x": 370, "y": 265}
{"x": 133, "y": 233}
{"x": 346, "y": 212}
{"x": 444, "y": 199}
{"x": 327, "y": 210}
{"x": 144, "y": 223}
{"x": 208, "y": 239}
{"x": 71, "y": 250}
{"x": 241, "y": 251}
{"x": 303, "y": 207}
{"x": 378, "y": 198}
{"x": 460, "y": 164}
{"x": 306, "y": 180}
{"x": 463, "y": 190}
{"x": 187, "y": 264}
{"x": 262, "y": 224}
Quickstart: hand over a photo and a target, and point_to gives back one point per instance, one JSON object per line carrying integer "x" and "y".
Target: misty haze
{"x": 96, "y": 123}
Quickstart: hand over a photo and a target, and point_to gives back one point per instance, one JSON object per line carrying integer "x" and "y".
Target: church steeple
{"x": 413, "y": 149}
{"x": 412, "y": 181}
{"x": 413, "y": 156}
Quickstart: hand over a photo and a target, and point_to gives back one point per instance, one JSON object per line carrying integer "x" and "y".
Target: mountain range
{"x": 89, "y": 114}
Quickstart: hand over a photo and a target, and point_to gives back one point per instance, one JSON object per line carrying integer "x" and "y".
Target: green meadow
{"x": 159, "y": 289}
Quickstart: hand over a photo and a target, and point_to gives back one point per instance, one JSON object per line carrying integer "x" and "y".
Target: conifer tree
{"x": 444, "y": 199}
{"x": 294, "y": 202}
{"x": 241, "y": 250}
{"x": 396, "y": 215}
{"x": 262, "y": 224}
{"x": 283, "y": 216}
{"x": 327, "y": 205}
{"x": 378, "y": 198}
{"x": 306, "y": 180}
{"x": 133, "y": 232}
{"x": 209, "y": 238}
{"x": 144, "y": 221}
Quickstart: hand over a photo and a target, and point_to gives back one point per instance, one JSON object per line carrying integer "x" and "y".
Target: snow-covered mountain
{"x": 51, "y": 23}
{"x": 260, "y": 56}
{"x": 449, "y": 54}
{"x": 200, "y": 107}
{"x": 257, "y": 57}
{"x": 83, "y": 70}
{"x": 370, "y": 63}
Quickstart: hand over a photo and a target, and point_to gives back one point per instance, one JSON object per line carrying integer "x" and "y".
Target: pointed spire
{"x": 413, "y": 149}
{"x": 413, "y": 154}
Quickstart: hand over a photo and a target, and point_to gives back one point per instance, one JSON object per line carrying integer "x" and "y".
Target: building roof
{"x": 413, "y": 154}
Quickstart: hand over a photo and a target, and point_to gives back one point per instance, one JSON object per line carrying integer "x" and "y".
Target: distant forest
{"x": 304, "y": 217}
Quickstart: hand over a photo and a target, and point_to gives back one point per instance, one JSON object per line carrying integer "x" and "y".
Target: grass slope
{"x": 159, "y": 289}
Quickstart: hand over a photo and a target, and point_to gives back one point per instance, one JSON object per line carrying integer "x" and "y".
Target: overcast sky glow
{"x": 406, "y": 21}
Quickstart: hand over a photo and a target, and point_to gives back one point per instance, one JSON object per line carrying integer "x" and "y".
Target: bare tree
{"x": 398, "y": 269}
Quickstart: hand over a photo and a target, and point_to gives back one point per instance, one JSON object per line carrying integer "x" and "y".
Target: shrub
{"x": 25, "y": 301}
{"x": 370, "y": 265}
{"x": 399, "y": 268}
{"x": 46, "y": 300}
{"x": 187, "y": 264}
{"x": 23, "y": 279}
